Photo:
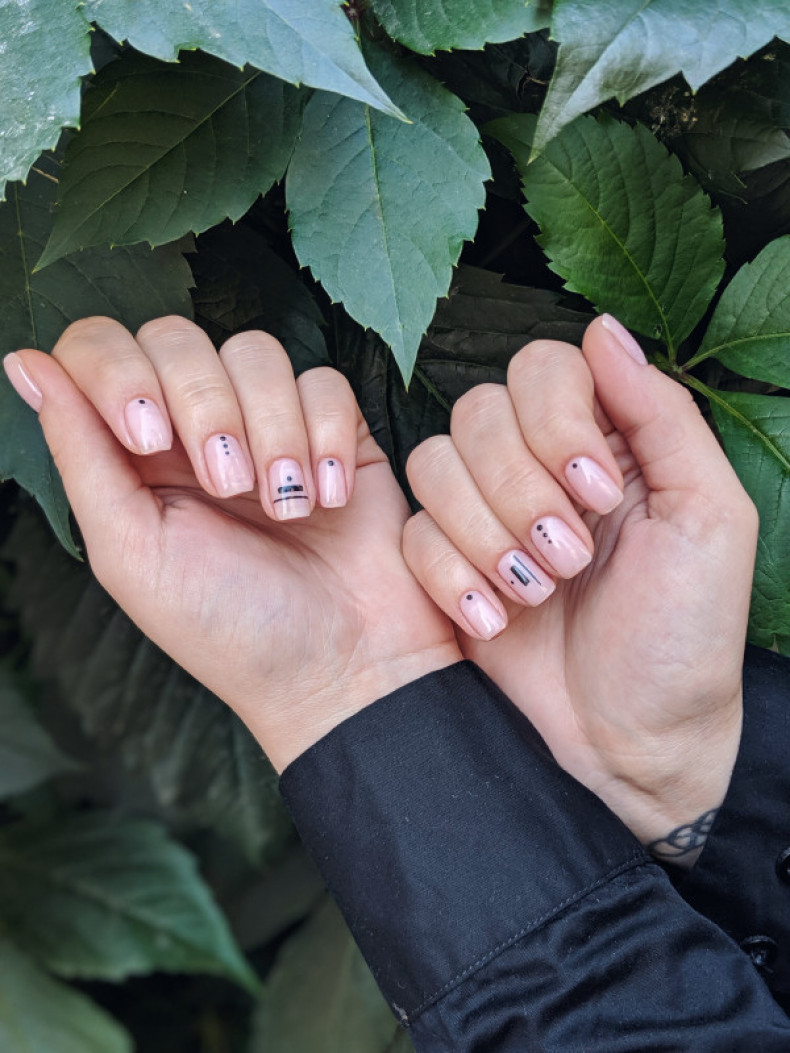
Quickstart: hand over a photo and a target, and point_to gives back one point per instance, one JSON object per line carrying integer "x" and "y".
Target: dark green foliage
{"x": 244, "y": 143}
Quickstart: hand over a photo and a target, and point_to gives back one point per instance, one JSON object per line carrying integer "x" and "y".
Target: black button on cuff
{"x": 762, "y": 950}
{"x": 783, "y": 865}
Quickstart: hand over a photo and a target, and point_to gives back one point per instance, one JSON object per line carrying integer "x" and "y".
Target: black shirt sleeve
{"x": 742, "y": 879}
{"x": 500, "y": 904}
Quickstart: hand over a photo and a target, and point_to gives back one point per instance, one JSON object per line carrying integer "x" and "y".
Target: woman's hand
{"x": 596, "y": 473}
{"x": 247, "y": 522}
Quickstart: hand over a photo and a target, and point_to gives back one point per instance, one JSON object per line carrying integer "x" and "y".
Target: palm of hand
{"x": 266, "y": 614}
{"x": 636, "y": 648}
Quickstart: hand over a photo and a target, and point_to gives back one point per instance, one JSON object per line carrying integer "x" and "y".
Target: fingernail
{"x": 560, "y": 547}
{"x": 289, "y": 494}
{"x": 227, "y": 466}
{"x": 593, "y": 486}
{"x": 624, "y": 338}
{"x": 525, "y": 577}
{"x": 331, "y": 483}
{"x": 22, "y": 382}
{"x": 482, "y": 615}
{"x": 147, "y": 426}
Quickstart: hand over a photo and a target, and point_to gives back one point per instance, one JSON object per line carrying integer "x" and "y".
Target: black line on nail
{"x": 291, "y": 497}
{"x": 521, "y": 571}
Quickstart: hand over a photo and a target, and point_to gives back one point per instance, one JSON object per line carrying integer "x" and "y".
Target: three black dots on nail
{"x": 224, "y": 440}
{"x": 544, "y": 532}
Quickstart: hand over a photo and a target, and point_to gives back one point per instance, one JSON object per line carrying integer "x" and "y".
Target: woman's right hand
{"x": 592, "y": 496}
{"x": 245, "y": 520}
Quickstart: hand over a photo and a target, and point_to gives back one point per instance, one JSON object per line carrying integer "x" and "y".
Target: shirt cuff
{"x": 742, "y": 878}
{"x": 446, "y": 831}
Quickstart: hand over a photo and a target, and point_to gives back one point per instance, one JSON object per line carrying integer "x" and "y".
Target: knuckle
{"x": 431, "y": 456}
{"x": 92, "y": 331}
{"x": 172, "y": 328}
{"x": 537, "y": 356}
{"x": 324, "y": 382}
{"x": 251, "y": 345}
{"x": 200, "y": 390}
{"x": 476, "y": 407}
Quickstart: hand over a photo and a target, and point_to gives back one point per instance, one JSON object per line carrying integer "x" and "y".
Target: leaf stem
{"x": 431, "y": 388}
{"x": 713, "y": 396}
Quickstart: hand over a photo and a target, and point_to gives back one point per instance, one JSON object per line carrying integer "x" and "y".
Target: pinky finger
{"x": 451, "y": 581}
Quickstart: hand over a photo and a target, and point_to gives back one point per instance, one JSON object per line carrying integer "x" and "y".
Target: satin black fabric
{"x": 501, "y": 906}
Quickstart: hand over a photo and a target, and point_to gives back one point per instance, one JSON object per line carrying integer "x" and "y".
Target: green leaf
{"x": 321, "y": 995}
{"x": 458, "y": 24}
{"x": 46, "y": 50}
{"x": 40, "y": 1015}
{"x": 242, "y": 284}
{"x": 132, "y": 285}
{"x": 621, "y": 223}
{"x": 28, "y": 755}
{"x": 308, "y": 43}
{"x": 737, "y": 123}
{"x": 755, "y": 430}
{"x": 630, "y": 45}
{"x": 102, "y": 897}
{"x": 750, "y": 328}
{"x": 380, "y": 209}
{"x": 135, "y": 702}
{"x": 168, "y": 149}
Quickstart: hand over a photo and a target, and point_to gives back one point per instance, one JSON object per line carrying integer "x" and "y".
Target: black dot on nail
{"x": 331, "y": 464}
{"x": 549, "y": 540}
{"x": 141, "y": 401}
{"x": 545, "y": 534}
{"x": 223, "y": 438}
{"x": 574, "y": 465}
{"x": 288, "y": 478}
{"x": 227, "y": 453}
{"x": 469, "y": 595}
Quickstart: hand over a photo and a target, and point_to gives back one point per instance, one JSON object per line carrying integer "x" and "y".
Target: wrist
{"x": 671, "y": 804}
{"x": 309, "y": 718}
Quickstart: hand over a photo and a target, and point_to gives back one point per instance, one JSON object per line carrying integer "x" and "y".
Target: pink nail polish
{"x": 624, "y": 338}
{"x": 593, "y": 486}
{"x": 227, "y": 466}
{"x": 288, "y": 490}
{"x": 22, "y": 382}
{"x": 559, "y": 546}
{"x": 482, "y": 615}
{"x": 147, "y": 426}
{"x": 331, "y": 483}
{"x": 525, "y": 577}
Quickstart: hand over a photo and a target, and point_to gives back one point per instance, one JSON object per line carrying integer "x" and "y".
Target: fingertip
{"x": 331, "y": 483}
{"x": 617, "y": 332}
{"x": 22, "y": 382}
{"x": 481, "y": 615}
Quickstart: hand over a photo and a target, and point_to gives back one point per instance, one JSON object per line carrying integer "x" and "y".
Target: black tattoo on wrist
{"x": 684, "y": 840}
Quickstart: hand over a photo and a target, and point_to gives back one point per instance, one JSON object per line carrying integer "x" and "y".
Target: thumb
{"x": 674, "y": 447}
{"x": 102, "y": 485}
